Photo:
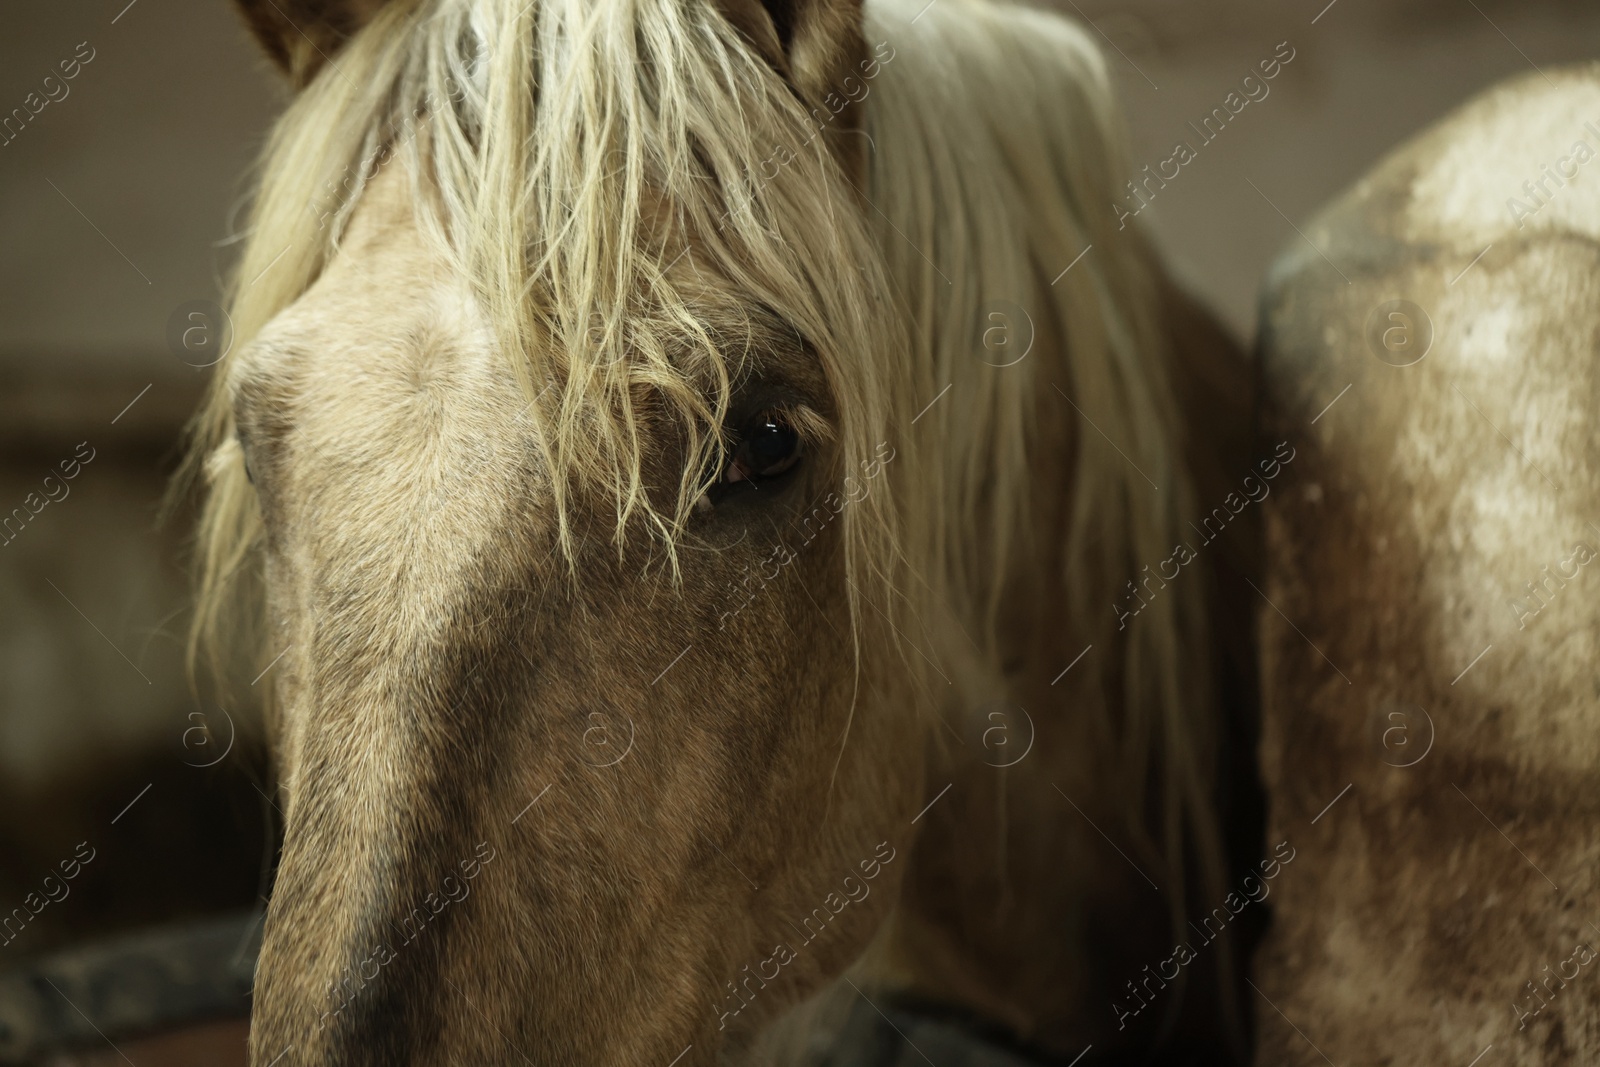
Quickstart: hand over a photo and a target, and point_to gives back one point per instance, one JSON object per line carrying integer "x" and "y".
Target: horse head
{"x": 565, "y": 478}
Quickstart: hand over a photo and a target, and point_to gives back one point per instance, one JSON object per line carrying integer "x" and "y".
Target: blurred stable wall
{"x": 1365, "y": 75}
{"x": 113, "y": 197}
{"x": 115, "y": 202}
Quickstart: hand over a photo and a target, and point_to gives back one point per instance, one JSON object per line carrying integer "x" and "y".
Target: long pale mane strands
{"x": 997, "y": 152}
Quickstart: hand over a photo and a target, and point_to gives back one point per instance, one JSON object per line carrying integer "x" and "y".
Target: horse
{"x": 701, "y": 481}
{"x": 1428, "y": 682}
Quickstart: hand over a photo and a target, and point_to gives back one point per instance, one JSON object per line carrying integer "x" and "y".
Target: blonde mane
{"x": 997, "y": 150}
{"x": 568, "y": 153}
{"x": 568, "y": 168}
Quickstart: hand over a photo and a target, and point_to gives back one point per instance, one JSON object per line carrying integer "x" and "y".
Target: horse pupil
{"x": 770, "y": 444}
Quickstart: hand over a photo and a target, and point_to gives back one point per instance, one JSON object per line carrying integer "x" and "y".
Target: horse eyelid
{"x": 807, "y": 423}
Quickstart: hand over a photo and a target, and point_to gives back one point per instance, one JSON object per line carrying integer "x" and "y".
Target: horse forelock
{"x": 587, "y": 168}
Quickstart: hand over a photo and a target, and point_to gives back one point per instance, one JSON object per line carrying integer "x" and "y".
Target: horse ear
{"x": 301, "y": 35}
{"x": 819, "y": 47}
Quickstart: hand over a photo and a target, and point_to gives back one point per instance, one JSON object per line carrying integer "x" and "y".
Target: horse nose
{"x": 371, "y": 884}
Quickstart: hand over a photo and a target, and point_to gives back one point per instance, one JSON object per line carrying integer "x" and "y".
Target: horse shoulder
{"x": 1430, "y": 632}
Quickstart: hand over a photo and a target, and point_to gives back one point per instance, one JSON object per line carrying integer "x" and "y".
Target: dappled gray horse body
{"x": 1430, "y": 694}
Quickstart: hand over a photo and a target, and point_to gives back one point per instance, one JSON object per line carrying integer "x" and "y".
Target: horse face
{"x": 563, "y": 811}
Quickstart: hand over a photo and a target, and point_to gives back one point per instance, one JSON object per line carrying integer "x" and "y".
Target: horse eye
{"x": 767, "y": 447}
